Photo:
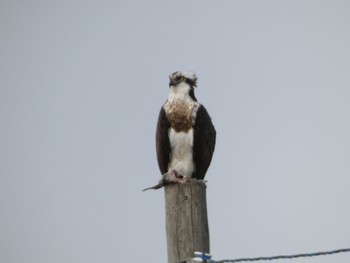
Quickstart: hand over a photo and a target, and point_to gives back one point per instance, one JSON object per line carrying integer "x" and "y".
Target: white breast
{"x": 181, "y": 159}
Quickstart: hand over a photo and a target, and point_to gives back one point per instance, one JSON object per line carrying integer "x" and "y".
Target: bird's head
{"x": 182, "y": 84}
{"x": 179, "y": 77}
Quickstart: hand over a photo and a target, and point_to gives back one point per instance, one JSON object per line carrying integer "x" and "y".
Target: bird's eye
{"x": 181, "y": 78}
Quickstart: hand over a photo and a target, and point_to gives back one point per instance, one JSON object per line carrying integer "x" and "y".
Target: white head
{"x": 182, "y": 83}
{"x": 188, "y": 77}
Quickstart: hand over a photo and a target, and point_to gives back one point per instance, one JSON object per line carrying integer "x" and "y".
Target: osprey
{"x": 185, "y": 136}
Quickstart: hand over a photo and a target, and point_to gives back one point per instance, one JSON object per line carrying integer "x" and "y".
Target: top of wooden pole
{"x": 186, "y": 220}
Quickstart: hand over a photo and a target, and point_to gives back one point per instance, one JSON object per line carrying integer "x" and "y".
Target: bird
{"x": 185, "y": 134}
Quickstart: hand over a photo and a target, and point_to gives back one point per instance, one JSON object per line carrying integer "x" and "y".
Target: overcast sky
{"x": 81, "y": 85}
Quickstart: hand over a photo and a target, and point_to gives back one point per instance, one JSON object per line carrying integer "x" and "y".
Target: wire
{"x": 324, "y": 253}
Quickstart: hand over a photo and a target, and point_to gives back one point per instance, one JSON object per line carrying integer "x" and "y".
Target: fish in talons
{"x": 169, "y": 178}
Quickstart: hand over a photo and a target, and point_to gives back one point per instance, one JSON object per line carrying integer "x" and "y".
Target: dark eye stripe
{"x": 190, "y": 82}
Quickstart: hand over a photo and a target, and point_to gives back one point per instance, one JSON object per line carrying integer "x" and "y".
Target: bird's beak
{"x": 172, "y": 82}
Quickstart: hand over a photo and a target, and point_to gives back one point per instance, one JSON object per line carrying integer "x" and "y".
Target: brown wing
{"x": 162, "y": 141}
{"x": 203, "y": 142}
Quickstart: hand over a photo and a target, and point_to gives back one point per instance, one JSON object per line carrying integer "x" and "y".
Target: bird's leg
{"x": 175, "y": 177}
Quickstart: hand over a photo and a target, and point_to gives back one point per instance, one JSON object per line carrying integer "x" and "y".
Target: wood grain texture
{"x": 186, "y": 220}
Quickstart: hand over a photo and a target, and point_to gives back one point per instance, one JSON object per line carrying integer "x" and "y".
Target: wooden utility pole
{"x": 186, "y": 220}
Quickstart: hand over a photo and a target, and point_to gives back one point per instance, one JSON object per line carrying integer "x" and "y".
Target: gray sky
{"x": 81, "y": 85}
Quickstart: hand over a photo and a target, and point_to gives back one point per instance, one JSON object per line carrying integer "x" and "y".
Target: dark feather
{"x": 162, "y": 142}
{"x": 203, "y": 142}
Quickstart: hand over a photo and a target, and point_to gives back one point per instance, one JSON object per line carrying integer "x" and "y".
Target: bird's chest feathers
{"x": 181, "y": 114}
{"x": 181, "y": 157}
